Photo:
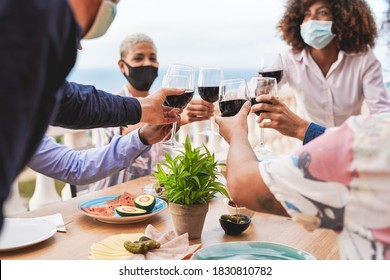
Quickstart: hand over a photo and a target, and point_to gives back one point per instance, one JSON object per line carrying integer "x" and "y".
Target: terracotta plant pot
{"x": 188, "y": 218}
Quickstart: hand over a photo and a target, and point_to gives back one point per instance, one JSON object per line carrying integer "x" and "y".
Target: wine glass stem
{"x": 173, "y": 133}
{"x": 210, "y": 124}
{"x": 262, "y": 139}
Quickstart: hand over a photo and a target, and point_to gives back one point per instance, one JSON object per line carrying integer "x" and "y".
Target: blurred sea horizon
{"x": 112, "y": 80}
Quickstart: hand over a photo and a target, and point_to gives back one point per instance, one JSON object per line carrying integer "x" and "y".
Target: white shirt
{"x": 330, "y": 100}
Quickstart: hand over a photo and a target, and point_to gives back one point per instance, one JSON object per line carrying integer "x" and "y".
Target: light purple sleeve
{"x": 86, "y": 166}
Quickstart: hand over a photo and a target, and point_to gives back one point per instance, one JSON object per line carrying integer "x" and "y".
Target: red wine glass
{"x": 208, "y": 89}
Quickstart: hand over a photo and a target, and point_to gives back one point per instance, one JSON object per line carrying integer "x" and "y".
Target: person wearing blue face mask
{"x": 331, "y": 67}
{"x": 38, "y": 49}
{"x": 317, "y": 33}
{"x": 338, "y": 181}
{"x": 139, "y": 65}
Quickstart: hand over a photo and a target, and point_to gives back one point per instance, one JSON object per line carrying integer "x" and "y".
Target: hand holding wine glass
{"x": 208, "y": 88}
{"x": 232, "y": 95}
{"x": 178, "y": 76}
{"x": 259, "y": 86}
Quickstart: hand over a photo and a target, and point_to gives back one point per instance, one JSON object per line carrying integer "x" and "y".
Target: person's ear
{"x": 122, "y": 66}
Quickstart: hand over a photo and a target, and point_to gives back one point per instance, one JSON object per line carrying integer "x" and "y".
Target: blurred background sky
{"x": 225, "y": 33}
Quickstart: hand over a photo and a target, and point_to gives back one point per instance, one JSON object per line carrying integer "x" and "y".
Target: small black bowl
{"x": 232, "y": 227}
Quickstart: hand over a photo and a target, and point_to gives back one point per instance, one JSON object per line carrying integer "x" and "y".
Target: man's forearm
{"x": 245, "y": 182}
{"x": 87, "y": 166}
{"x": 84, "y": 107}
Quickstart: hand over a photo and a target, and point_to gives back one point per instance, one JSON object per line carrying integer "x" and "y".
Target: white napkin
{"x": 56, "y": 219}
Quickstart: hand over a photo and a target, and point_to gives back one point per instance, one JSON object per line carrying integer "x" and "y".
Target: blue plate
{"x": 251, "y": 250}
{"x": 116, "y": 219}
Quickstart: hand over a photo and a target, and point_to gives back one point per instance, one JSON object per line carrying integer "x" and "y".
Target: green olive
{"x": 141, "y": 246}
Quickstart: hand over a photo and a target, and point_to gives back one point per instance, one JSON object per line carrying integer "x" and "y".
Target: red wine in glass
{"x": 277, "y": 74}
{"x": 230, "y": 108}
{"x": 179, "y": 101}
{"x": 178, "y": 76}
{"x": 208, "y": 88}
{"x": 209, "y": 94}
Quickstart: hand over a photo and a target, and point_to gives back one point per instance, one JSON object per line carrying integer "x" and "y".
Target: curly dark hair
{"x": 353, "y": 24}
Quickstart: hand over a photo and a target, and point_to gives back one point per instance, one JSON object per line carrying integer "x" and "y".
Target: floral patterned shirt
{"x": 341, "y": 181}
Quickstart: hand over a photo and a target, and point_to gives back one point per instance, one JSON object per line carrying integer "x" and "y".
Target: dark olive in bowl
{"x": 234, "y": 224}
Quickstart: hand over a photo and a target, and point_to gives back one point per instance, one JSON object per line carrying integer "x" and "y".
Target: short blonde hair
{"x": 132, "y": 40}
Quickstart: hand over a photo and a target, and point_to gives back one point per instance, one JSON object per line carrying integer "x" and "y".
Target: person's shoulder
{"x": 124, "y": 92}
{"x": 39, "y": 17}
{"x": 56, "y": 12}
{"x": 369, "y": 53}
{"x": 36, "y": 6}
{"x": 62, "y": 6}
{"x": 293, "y": 55}
{"x": 361, "y": 59}
{"x": 288, "y": 53}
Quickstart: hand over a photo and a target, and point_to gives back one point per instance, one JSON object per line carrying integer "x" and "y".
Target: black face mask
{"x": 141, "y": 77}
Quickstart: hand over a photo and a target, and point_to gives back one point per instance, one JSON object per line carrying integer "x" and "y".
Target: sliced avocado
{"x": 129, "y": 211}
{"x": 145, "y": 201}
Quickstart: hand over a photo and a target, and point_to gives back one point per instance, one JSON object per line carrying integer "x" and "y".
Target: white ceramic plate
{"x": 116, "y": 219}
{"x": 20, "y": 233}
{"x": 251, "y": 250}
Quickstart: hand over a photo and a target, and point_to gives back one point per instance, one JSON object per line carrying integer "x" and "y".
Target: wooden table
{"x": 83, "y": 231}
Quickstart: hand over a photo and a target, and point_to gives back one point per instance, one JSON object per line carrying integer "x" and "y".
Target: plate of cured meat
{"x": 123, "y": 209}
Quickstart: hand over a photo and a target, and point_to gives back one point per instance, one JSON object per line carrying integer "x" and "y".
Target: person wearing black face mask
{"x": 139, "y": 64}
{"x": 141, "y": 77}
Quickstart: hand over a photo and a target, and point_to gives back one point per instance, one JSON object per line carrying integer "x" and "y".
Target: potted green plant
{"x": 190, "y": 182}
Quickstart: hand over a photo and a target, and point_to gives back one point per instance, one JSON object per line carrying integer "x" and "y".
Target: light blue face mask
{"x": 317, "y": 33}
{"x": 103, "y": 20}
